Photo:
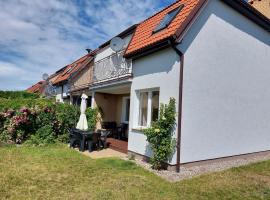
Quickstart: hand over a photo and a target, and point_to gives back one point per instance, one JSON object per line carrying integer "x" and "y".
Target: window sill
{"x": 139, "y": 129}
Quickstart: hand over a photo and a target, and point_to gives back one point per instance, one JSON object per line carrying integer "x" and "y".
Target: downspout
{"x": 180, "y": 97}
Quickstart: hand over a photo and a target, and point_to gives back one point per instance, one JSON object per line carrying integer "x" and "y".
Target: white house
{"x": 213, "y": 57}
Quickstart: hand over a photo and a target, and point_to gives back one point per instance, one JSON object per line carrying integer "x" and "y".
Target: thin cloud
{"x": 42, "y": 36}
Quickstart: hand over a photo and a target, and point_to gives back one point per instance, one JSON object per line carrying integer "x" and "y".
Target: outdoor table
{"x": 86, "y": 135}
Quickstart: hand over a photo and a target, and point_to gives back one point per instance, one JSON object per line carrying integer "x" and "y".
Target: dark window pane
{"x": 155, "y": 105}
{"x": 168, "y": 19}
{"x": 143, "y": 109}
{"x": 127, "y": 110}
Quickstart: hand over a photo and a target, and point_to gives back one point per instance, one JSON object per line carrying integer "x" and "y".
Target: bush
{"x": 16, "y": 104}
{"x": 67, "y": 116}
{"x": 38, "y": 120}
{"x": 18, "y": 126}
{"x": 93, "y": 116}
{"x": 44, "y": 135}
{"x": 160, "y": 135}
{"x": 18, "y": 95}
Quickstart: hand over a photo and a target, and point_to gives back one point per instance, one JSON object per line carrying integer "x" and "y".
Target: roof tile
{"x": 144, "y": 36}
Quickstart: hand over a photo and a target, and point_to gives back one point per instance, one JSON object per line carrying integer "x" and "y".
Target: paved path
{"x": 105, "y": 153}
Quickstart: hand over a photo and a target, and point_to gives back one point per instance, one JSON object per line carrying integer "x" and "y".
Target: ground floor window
{"x": 125, "y": 109}
{"x": 148, "y": 107}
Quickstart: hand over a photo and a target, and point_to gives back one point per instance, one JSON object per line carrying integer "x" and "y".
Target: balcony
{"x": 113, "y": 67}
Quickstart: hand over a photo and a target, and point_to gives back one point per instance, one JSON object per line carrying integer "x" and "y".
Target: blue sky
{"x": 38, "y": 36}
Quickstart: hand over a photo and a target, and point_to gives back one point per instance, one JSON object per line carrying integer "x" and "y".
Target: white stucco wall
{"x": 159, "y": 70}
{"x": 226, "y": 95}
{"x": 107, "y": 51}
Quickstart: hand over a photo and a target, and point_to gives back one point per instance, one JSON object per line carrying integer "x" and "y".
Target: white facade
{"x": 111, "y": 65}
{"x": 158, "y": 71}
{"x": 226, "y": 95}
{"x": 107, "y": 51}
{"x": 61, "y": 93}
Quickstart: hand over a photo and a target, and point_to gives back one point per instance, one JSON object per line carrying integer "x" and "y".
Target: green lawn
{"x": 58, "y": 172}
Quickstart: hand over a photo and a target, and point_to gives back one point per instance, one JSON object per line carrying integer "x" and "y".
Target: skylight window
{"x": 168, "y": 19}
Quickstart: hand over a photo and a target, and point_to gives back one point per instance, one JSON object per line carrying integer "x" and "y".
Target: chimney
{"x": 88, "y": 50}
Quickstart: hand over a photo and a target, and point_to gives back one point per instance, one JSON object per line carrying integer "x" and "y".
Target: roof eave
{"x": 250, "y": 12}
{"x": 162, "y": 44}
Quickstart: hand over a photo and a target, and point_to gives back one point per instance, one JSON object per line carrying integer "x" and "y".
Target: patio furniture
{"x": 80, "y": 138}
{"x": 103, "y": 138}
{"x": 94, "y": 142}
{"x": 121, "y": 131}
{"x": 74, "y": 138}
{"x": 111, "y": 127}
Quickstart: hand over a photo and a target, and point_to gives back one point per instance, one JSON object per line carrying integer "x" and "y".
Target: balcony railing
{"x": 112, "y": 67}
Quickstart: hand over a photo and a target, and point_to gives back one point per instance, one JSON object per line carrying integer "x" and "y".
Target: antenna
{"x": 45, "y": 76}
{"x": 117, "y": 44}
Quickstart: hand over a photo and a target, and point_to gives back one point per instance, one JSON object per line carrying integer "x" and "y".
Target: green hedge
{"x": 17, "y": 95}
{"x": 19, "y": 103}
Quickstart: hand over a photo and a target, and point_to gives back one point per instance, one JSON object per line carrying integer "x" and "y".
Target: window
{"x": 149, "y": 107}
{"x": 143, "y": 108}
{"x": 155, "y": 105}
{"x": 125, "y": 109}
{"x": 168, "y": 19}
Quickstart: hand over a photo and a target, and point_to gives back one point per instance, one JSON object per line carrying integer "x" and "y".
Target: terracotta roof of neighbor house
{"x": 37, "y": 88}
{"x": 72, "y": 68}
{"x": 145, "y": 37}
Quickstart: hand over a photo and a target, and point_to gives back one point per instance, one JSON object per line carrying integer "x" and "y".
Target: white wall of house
{"x": 159, "y": 70}
{"x": 61, "y": 93}
{"x": 107, "y": 51}
{"x": 59, "y": 96}
{"x": 226, "y": 94}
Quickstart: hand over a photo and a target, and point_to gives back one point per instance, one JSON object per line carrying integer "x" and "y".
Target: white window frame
{"x": 124, "y": 101}
{"x": 149, "y": 106}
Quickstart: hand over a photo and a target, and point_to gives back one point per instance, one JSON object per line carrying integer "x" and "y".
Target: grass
{"x": 57, "y": 172}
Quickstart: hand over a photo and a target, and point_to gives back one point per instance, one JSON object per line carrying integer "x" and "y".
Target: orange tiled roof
{"x": 37, "y": 88}
{"x": 144, "y": 36}
{"x": 71, "y": 68}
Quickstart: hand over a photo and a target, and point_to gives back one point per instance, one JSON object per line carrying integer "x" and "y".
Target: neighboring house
{"x": 62, "y": 82}
{"x": 38, "y": 88}
{"x": 50, "y": 90}
{"x": 213, "y": 57}
{"x": 80, "y": 81}
{"x": 111, "y": 81}
{"x": 261, "y": 5}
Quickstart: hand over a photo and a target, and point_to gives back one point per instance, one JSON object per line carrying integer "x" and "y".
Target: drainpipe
{"x": 180, "y": 97}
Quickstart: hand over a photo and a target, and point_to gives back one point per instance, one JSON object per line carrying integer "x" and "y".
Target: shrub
{"x": 44, "y": 135}
{"x": 20, "y": 103}
{"x": 18, "y": 95}
{"x": 18, "y": 126}
{"x": 93, "y": 116}
{"x": 160, "y": 135}
{"x": 67, "y": 116}
{"x": 24, "y": 116}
